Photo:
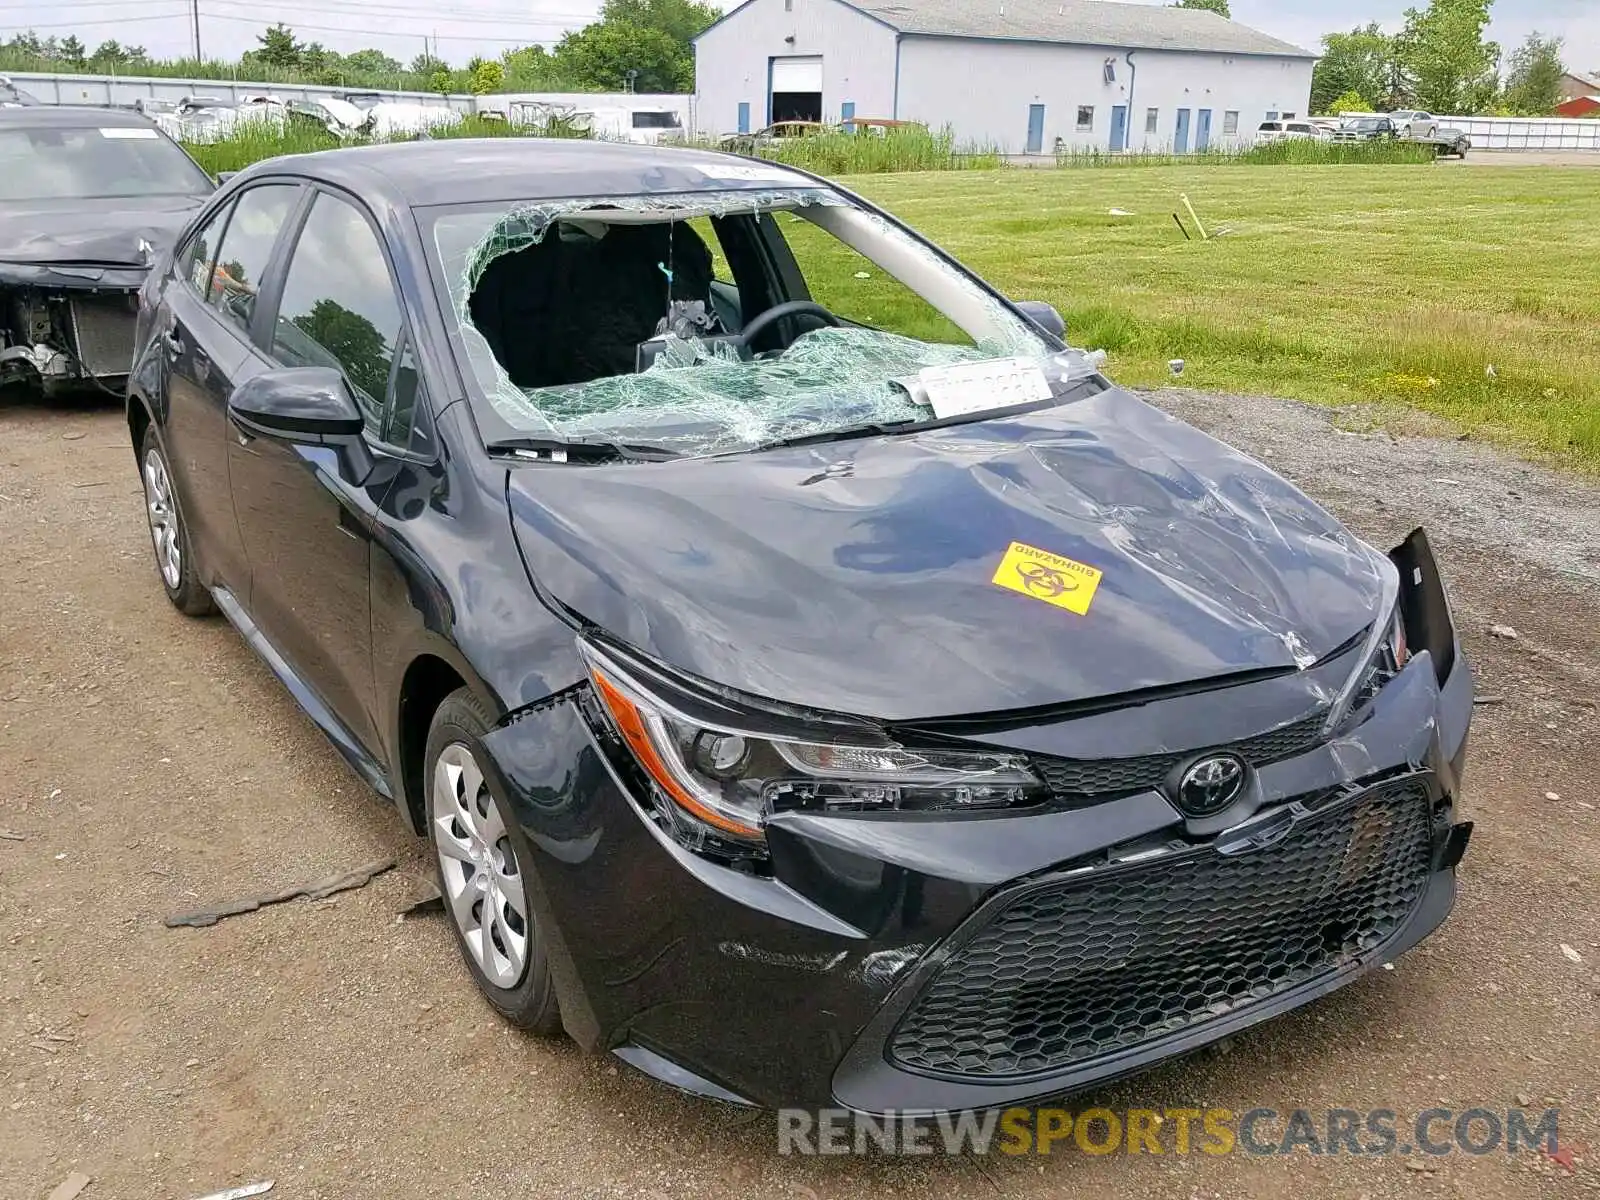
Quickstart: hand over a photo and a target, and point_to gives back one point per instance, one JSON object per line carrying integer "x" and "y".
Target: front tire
{"x": 480, "y": 860}
{"x": 168, "y": 533}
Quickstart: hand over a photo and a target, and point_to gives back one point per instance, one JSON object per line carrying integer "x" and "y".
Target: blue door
{"x": 1035, "y": 129}
{"x": 1119, "y": 127}
{"x": 744, "y": 116}
{"x": 847, "y": 115}
{"x": 1180, "y": 144}
{"x": 1202, "y": 130}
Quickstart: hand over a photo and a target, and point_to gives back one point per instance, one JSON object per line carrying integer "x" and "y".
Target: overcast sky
{"x": 487, "y": 27}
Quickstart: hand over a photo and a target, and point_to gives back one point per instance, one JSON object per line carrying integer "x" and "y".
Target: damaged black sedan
{"x": 89, "y": 199}
{"x": 818, "y": 682}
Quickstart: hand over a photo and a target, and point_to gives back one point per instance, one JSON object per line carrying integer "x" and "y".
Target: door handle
{"x": 172, "y": 342}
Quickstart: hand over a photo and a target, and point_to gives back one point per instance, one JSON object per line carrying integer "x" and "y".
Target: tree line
{"x": 1441, "y": 61}
{"x": 637, "y": 45}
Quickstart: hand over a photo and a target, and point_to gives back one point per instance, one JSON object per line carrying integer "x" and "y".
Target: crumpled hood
{"x": 859, "y": 577}
{"x": 94, "y": 231}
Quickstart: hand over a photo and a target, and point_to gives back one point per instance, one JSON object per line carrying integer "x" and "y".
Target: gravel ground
{"x": 151, "y": 764}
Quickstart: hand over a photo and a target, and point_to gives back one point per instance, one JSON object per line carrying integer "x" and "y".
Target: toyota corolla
{"x": 818, "y": 682}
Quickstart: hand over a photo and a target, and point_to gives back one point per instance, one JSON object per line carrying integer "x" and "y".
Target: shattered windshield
{"x": 719, "y": 321}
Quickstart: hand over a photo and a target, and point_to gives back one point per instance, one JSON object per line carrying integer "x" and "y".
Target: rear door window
{"x": 200, "y": 252}
{"x": 247, "y": 244}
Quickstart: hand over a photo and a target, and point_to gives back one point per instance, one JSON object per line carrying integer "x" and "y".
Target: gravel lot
{"x": 151, "y": 764}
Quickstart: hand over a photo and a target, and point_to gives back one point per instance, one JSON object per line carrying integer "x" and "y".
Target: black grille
{"x": 1108, "y": 776}
{"x": 1096, "y": 965}
{"x": 104, "y": 328}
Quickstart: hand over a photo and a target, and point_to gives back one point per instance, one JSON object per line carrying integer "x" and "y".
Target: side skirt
{"x": 305, "y": 696}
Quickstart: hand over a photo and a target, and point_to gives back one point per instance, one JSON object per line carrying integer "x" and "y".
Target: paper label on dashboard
{"x": 983, "y": 386}
{"x": 134, "y": 134}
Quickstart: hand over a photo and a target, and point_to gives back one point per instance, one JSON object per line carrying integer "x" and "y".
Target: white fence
{"x": 529, "y": 106}
{"x": 1528, "y": 133}
{"x": 123, "y": 90}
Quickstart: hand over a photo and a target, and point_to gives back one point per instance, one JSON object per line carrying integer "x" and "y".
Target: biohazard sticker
{"x": 1048, "y": 577}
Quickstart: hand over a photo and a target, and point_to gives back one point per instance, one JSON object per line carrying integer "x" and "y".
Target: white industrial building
{"x": 1023, "y": 76}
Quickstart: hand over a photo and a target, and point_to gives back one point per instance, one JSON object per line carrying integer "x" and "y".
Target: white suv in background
{"x": 1281, "y": 131}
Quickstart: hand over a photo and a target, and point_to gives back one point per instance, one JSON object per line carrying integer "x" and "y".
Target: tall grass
{"x": 252, "y": 141}
{"x": 912, "y": 149}
{"x": 1295, "y": 152}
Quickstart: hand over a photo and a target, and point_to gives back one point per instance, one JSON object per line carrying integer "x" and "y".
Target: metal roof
{"x": 526, "y": 170}
{"x": 1079, "y": 22}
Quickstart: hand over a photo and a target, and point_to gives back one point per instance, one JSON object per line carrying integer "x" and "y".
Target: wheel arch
{"x": 428, "y": 679}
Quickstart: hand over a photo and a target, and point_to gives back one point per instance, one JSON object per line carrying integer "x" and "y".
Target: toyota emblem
{"x": 1211, "y": 784}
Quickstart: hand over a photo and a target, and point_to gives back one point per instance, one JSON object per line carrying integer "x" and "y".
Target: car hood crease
{"x": 859, "y": 576}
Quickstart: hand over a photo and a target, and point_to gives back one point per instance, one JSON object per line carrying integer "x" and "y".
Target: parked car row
{"x": 1409, "y": 125}
{"x": 204, "y": 120}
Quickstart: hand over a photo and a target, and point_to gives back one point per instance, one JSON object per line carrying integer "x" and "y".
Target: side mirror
{"x": 307, "y": 406}
{"x": 1045, "y": 316}
{"x": 224, "y": 176}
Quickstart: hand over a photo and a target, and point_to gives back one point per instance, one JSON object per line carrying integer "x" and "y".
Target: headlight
{"x": 726, "y": 781}
{"x": 1387, "y": 661}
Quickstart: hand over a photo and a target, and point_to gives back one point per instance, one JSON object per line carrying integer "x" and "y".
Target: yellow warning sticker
{"x": 1048, "y": 577}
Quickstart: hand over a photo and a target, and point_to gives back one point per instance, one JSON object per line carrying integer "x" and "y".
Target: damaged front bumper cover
{"x": 65, "y": 325}
{"x": 894, "y": 965}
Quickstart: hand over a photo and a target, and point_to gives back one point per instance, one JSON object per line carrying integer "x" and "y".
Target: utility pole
{"x": 194, "y": 13}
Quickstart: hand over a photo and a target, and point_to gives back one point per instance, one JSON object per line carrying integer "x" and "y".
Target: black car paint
{"x": 856, "y": 577}
{"x": 449, "y": 564}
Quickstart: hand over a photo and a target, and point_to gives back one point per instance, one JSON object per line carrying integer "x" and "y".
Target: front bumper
{"x": 788, "y": 990}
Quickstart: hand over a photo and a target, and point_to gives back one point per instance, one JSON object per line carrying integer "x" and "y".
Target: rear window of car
{"x": 655, "y": 120}
{"x": 1271, "y": 126}
{"x": 94, "y": 163}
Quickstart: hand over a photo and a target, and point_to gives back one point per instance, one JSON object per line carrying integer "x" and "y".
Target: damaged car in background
{"x": 817, "y": 681}
{"x": 89, "y": 198}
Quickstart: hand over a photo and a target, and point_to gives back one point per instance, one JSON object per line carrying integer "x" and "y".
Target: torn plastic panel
{"x": 699, "y": 394}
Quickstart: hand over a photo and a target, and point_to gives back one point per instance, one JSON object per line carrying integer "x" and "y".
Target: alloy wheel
{"x": 163, "y": 514}
{"x": 482, "y": 882}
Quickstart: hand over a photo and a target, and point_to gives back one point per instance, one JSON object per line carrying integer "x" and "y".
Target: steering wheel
{"x": 789, "y": 308}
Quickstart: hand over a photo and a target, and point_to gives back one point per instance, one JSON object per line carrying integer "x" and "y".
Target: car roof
{"x": 68, "y": 116}
{"x": 484, "y": 170}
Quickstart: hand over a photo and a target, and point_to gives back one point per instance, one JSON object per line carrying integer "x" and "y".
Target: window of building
{"x": 1152, "y": 119}
{"x": 1230, "y": 123}
{"x": 788, "y": 5}
{"x": 340, "y": 310}
{"x": 1085, "y": 117}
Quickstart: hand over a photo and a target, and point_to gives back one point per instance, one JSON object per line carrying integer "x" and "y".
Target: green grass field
{"x": 1335, "y": 284}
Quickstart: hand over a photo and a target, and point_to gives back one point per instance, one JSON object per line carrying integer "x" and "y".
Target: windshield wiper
{"x": 848, "y": 433}
{"x": 581, "y": 450}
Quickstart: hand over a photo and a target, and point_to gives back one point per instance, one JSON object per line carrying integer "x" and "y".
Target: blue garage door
{"x": 744, "y": 116}
{"x": 1119, "y": 127}
{"x": 1180, "y": 144}
{"x": 1202, "y": 129}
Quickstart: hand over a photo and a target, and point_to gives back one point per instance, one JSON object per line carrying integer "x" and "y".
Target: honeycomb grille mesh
{"x": 1071, "y": 972}
{"x": 1107, "y": 776}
